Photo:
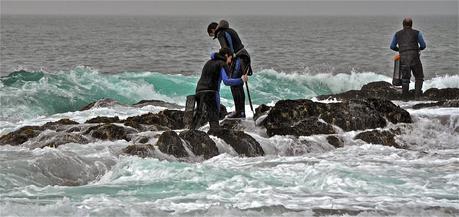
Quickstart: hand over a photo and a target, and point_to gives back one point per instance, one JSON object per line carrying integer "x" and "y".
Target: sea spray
{"x": 26, "y": 95}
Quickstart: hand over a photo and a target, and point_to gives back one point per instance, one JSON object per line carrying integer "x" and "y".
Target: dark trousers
{"x": 207, "y": 110}
{"x": 238, "y": 91}
{"x": 410, "y": 62}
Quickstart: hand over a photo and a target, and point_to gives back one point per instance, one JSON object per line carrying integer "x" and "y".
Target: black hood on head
{"x": 223, "y": 24}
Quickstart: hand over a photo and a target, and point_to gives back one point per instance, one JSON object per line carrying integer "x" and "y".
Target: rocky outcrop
{"x": 167, "y": 119}
{"x": 106, "y": 120}
{"x": 200, "y": 143}
{"x": 21, "y": 135}
{"x": 170, "y": 143}
{"x": 60, "y": 125}
{"x": 305, "y": 117}
{"x": 335, "y": 141}
{"x": 107, "y": 102}
{"x": 384, "y": 90}
{"x": 383, "y": 137}
{"x": 110, "y": 132}
{"x": 260, "y": 114}
{"x": 174, "y": 118}
{"x": 58, "y": 138}
{"x": 241, "y": 142}
{"x": 306, "y": 127}
{"x": 159, "y": 103}
{"x": 143, "y": 150}
{"x": 446, "y": 104}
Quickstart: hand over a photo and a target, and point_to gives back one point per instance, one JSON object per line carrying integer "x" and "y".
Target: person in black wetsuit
{"x": 410, "y": 42}
{"x": 229, "y": 38}
{"x": 208, "y": 87}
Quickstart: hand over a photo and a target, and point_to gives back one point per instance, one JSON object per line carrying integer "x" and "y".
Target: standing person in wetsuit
{"x": 228, "y": 38}
{"x": 410, "y": 42}
{"x": 208, "y": 87}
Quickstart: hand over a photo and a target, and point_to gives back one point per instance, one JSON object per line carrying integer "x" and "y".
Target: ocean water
{"x": 68, "y": 62}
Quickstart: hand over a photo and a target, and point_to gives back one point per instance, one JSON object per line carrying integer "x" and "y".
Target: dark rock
{"x": 109, "y": 132}
{"x": 384, "y": 90}
{"x": 145, "y": 119}
{"x": 441, "y": 94}
{"x": 143, "y": 140}
{"x": 60, "y": 124}
{"x": 241, "y": 142}
{"x": 106, "y": 120}
{"x": 260, "y": 111}
{"x": 56, "y": 139}
{"x": 306, "y": 127}
{"x": 170, "y": 143}
{"x": 449, "y": 103}
{"x": 304, "y": 117}
{"x": 384, "y": 137}
{"x": 200, "y": 143}
{"x": 335, "y": 141}
{"x": 174, "y": 118}
{"x": 232, "y": 124}
{"x": 301, "y": 117}
{"x": 144, "y": 150}
{"x": 21, "y": 135}
{"x": 159, "y": 103}
{"x": 100, "y": 104}
{"x": 392, "y": 112}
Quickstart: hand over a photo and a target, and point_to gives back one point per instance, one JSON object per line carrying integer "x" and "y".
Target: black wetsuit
{"x": 410, "y": 42}
{"x": 241, "y": 64}
{"x": 208, "y": 90}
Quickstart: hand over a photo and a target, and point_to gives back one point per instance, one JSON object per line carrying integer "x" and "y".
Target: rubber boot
{"x": 418, "y": 88}
{"x": 214, "y": 125}
{"x": 405, "y": 91}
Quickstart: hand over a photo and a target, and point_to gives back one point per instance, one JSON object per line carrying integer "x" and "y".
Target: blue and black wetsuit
{"x": 409, "y": 42}
{"x": 208, "y": 89}
{"x": 229, "y": 38}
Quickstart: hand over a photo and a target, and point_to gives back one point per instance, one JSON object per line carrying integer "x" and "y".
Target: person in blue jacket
{"x": 228, "y": 38}
{"x": 208, "y": 88}
{"x": 410, "y": 42}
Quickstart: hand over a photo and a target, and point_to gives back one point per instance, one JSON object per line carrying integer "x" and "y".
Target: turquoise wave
{"x": 26, "y": 94}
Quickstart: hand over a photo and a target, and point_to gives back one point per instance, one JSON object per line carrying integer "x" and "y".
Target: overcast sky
{"x": 228, "y": 7}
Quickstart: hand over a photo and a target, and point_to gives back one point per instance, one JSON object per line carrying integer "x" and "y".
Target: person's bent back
{"x": 208, "y": 87}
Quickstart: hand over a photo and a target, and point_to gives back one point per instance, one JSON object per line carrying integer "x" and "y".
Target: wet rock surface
{"x": 385, "y": 90}
{"x": 445, "y": 104}
{"x": 200, "y": 143}
{"x": 241, "y": 142}
{"x": 382, "y": 137}
{"x": 305, "y": 117}
{"x": 101, "y": 119}
{"x": 170, "y": 143}
{"x": 260, "y": 114}
{"x": 107, "y": 102}
{"x": 335, "y": 141}
{"x": 143, "y": 150}
{"x": 21, "y": 135}
{"x": 58, "y": 138}
{"x": 109, "y": 132}
{"x": 159, "y": 103}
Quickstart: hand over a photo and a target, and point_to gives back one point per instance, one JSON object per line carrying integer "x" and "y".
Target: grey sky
{"x": 220, "y": 7}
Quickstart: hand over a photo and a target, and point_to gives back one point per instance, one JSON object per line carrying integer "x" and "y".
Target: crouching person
{"x": 208, "y": 87}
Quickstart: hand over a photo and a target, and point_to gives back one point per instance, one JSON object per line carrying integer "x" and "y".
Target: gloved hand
{"x": 245, "y": 78}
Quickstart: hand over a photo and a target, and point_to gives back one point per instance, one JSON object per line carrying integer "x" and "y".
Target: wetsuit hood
{"x": 223, "y": 24}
